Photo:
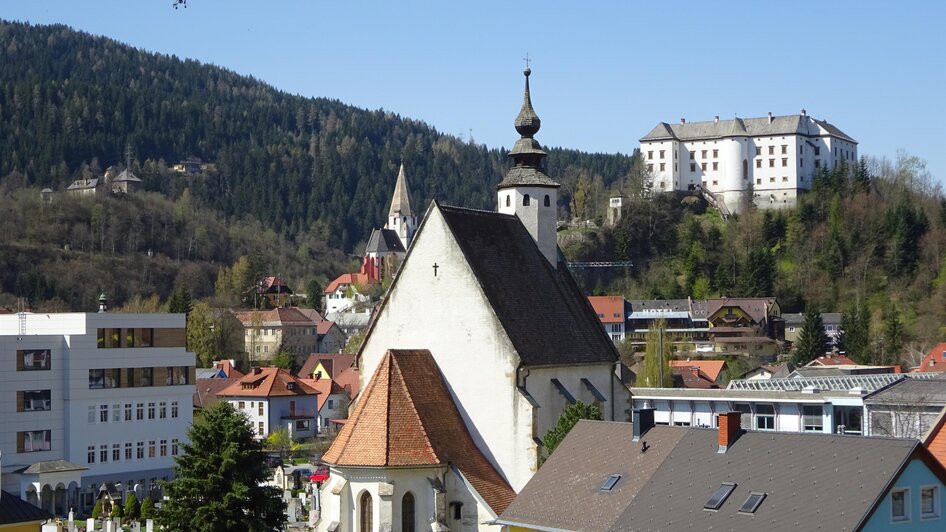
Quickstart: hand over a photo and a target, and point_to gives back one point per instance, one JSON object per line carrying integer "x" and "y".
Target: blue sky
{"x": 604, "y": 73}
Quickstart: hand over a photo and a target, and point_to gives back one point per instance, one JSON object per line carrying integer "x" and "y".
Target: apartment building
{"x": 88, "y": 400}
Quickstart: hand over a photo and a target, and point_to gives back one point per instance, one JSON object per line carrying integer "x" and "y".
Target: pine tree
{"x": 118, "y": 511}
{"x": 893, "y": 336}
{"x": 569, "y": 418}
{"x": 97, "y": 509}
{"x": 812, "y": 342}
{"x": 147, "y": 508}
{"x": 132, "y": 510}
{"x": 649, "y": 376}
{"x": 313, "y": 294}
{"x": 854, "y": 339}
{"x": 218, "y": 483}
{"x": 180, "y": 302}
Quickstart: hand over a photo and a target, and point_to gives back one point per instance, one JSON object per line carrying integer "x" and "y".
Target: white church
{"x": 778, "y": 155}
{"x": 482, "y": 340}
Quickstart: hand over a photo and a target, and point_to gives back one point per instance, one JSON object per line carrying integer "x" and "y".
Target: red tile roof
{"x": 350, "y": 380}
{"x": 934, "y": 361}
{"x": 228, "y": 369}
{"x": 711, "y": 368}
{"x": 406, "y": 417}
{"x": 832, "y": 360}
{"x": 334, "y": 363}
{"x": 205, "y": 391}
{"x": 277, "y": 317}
{"x": 692, "y": 377}
{"x": 267, "y": 382}
{"x": 346, "y": 278}
{"x": 324, "y": 387}
{"x": 610, "y": 309}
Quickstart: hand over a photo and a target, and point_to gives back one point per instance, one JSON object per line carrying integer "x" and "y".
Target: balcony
{"x": 300, "y": 413}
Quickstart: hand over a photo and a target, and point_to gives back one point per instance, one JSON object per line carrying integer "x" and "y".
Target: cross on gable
{"x": 527, "y": 60}
{"x": 435, "y": 269}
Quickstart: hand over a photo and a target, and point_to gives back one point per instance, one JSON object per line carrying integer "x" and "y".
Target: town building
{"x": 774, "y": 157}
{"x": 343, "y": 294}
{"x": 831, "y": 326}
{"x": 273, "y": 398}
{"x": 296, "y": 331}
{"x": 89, "y": 399}
{"x": 698, "y": 373}
{"x": 646, "y": 477}
{"x": 275, "y": 291}
{"x": 907, "y": 408}
{"x": 490, "y": 296}
{"x": 685, "y": 322}
{"x": 612, "y": 311}
{"x": 934, "y": 361}
{"x": 124, "y": 183}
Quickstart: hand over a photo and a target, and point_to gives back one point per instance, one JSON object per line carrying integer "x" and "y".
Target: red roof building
{"x": 712, "y": 369}
{"x": 612, "y": 311}
{"x": 934, "y": 361}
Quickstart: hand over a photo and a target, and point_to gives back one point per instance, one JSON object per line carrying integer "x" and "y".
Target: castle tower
{"x": 527, "y": 191}
{"x": 401, "y": 218}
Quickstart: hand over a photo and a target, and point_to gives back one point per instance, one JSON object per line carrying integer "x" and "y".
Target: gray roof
{"x": 126, "y": 176}
{"x": 80, "y": 184}
{"x": 546, "y": 316}
{"x": 571, "y": 479}
{"x": 384, "y": 241}
{"x": 525, "y": 176}
{"x": 746, "y": 127}
{"x": 912, "y": 391}
{"x": 811, "y": 481}
{"x": 797, "y": 319}
{"x": 726, "y": 394}
{"x": 349, "y": 319}
{"x": 15, "y": 510}
{"x": 868, "y": 383}
{"x": 401, "y": 201}
{"x": 51, "y": 466}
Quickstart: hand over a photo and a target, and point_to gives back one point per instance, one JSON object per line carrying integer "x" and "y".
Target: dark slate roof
{"x": 51, "y": 466}
{"x": 384, "y": 241}
{"x": 811, "y": 481}
{"x": 15, "y": 510}
{"x": 526, "y": 176}
{"x": 572, "y": 477}
{"x": 912, "y": 391}
{"x": 541, "y": 309}
{"x": 752, "y": 127}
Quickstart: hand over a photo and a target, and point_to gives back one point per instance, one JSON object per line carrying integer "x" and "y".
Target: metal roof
{"x": 869, "y": 383}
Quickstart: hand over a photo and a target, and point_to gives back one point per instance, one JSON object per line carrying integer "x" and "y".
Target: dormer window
{"x": 526, "y": 200}
{"x": 548, "y": 201}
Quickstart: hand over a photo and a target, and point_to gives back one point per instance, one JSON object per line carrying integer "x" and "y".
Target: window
{"x": 758, "y": 163}
{"x": 526, "y": 200}
{"x": 784, "y": 161}
{"x": 331, "y": 404}
{"x": 508, "y": 196}
{"x": 650, "y": 155}
{"x": 650, "y": 167}
{"x": 771, "y": 150}
{"x": 715, "y": 166}
{"x": 302, "y": 424}
{"x": 90, "y": 457}
{"x": 812, "y": 418}
{"x": 151, "y": 449}
{"x": 817, "y": 150}
{"x": 103, "y": 453}
{"x": 772, "y": 180}
{"x": 96, "y": 379}
{"x": 703, "y": 166}
{"x": 103, "y": 414}
{"x": 259, "y": 428}
{"x": 34, "y": 401}
{"x": 140, "y": 450}
{"x": 162, "y": 410}
{"x": 116, "y": 413}
{"x": 771, "y": 163}
{"x": 259, "y": 410}
{"x": 692, "y": 155}
{"x": 116, "y": 452}
{"x": 174, "y": 447}
{"x": 150, "y": 410}
{"x": 662, "y": 154}
{"x": 674, "y": 167}
{"x": 164, "y": 448}
{"x": 129, "y": 338}
{"x": 929, "y": 502}
{"x": 407, "y": 510}
{"x": 173, "y": 409}
{"x": 92, "y": 411}
{"x": 758, "y": 150}
{"x": 784, "y": 179}
{"x": 366, "y": 512}
{"x": 817, "y": 163}
{"x": 610, "y": 482}
{"x": 758, "y": 181}
{"x": 719, "y": 496}
{"x": 548, "y": 201}
{"x": 127, "y": 411}
{"x": 752, "y": 502}
{"x": 663, "y": 166}
{"x": 140, "y": 411}
{"x": 784, "y": 148}
{"x": 693, "y": 167}
{"x": 900, "y": 505}
{"x": 32, "y": 359}
{"x": 128, "y": 453}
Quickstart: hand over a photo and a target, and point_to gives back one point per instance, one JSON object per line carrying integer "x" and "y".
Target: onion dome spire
{"x": 527, "y": 153}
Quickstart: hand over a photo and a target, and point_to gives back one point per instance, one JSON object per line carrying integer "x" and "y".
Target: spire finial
{"x": 527, "y": 122}
{"x": 527, "y": 70}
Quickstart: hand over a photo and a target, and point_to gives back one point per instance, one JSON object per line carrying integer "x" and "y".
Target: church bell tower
{"x": 401, "y": 218}
{"x": 527, "y": 191}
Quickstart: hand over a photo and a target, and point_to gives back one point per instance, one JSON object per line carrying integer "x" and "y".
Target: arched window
{"x": 526, "y": 200}
{"x": 366, "y": 513}
{"x": 548, "y": 201}
{"x": 507, "y": 199}
{"x": 407, "y": 512}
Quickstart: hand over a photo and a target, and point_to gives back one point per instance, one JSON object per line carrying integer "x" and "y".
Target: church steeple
{"x": 400, "y": 216}
{"x": 526, "y": 190}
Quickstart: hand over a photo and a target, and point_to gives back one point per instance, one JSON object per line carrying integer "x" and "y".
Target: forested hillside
{"x": 868, "y": 241}
{"x": 69, "y": 100}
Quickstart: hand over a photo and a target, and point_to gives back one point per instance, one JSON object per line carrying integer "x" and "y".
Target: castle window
{"x": 526, "y": 200}
{"x": 817, "y": 150}
{"x": 663, "y": 166}
{"x": 715, "y": 166}
{"x": 650, "y": 167}
{"x": 771, "y": 163}
{"x": 703, "y": 166}
{"x": 508, "y": 196}
{"x": 703, "y": 154}
{"x": 758, "y": 150}
{"x": 715, "y": 153}
{"x": 650, "y": 155}
{"x": 548, "y": 201}
{"x": 661, "y": 154}
{"x": 771, "y": 150}
{"x": 758, "y": 181}
{"x": 784, "y": 161}
{"x": 693, "y": 167}
{"x": 784, "y": 148}
{"x": 692, "y": 155}
{"x": 758, "y": 163}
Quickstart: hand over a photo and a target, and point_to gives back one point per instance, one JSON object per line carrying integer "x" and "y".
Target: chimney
{"x": 770, "y": 117}
{"x": 643, "y": 420}
{"x": 730, "y": 427}
{"x": 683, "y": 120}
{"x": 257, "y": 370}
{"x": 717, "y": 119}
{"x": 804, "y": 113}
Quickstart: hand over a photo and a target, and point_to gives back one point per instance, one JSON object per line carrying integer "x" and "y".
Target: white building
{"x": 778, "y": 155}
{"x": 88, "y": 399}
{"x": 273, "y": 398}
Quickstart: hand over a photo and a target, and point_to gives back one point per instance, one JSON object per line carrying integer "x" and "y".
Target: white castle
{"x": 778, "y": 155}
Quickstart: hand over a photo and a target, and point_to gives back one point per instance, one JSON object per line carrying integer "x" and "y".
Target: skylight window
{"x": 719, "y": 496}
{"x": 609, "y": 484}
{"x": 752, "y": 503}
